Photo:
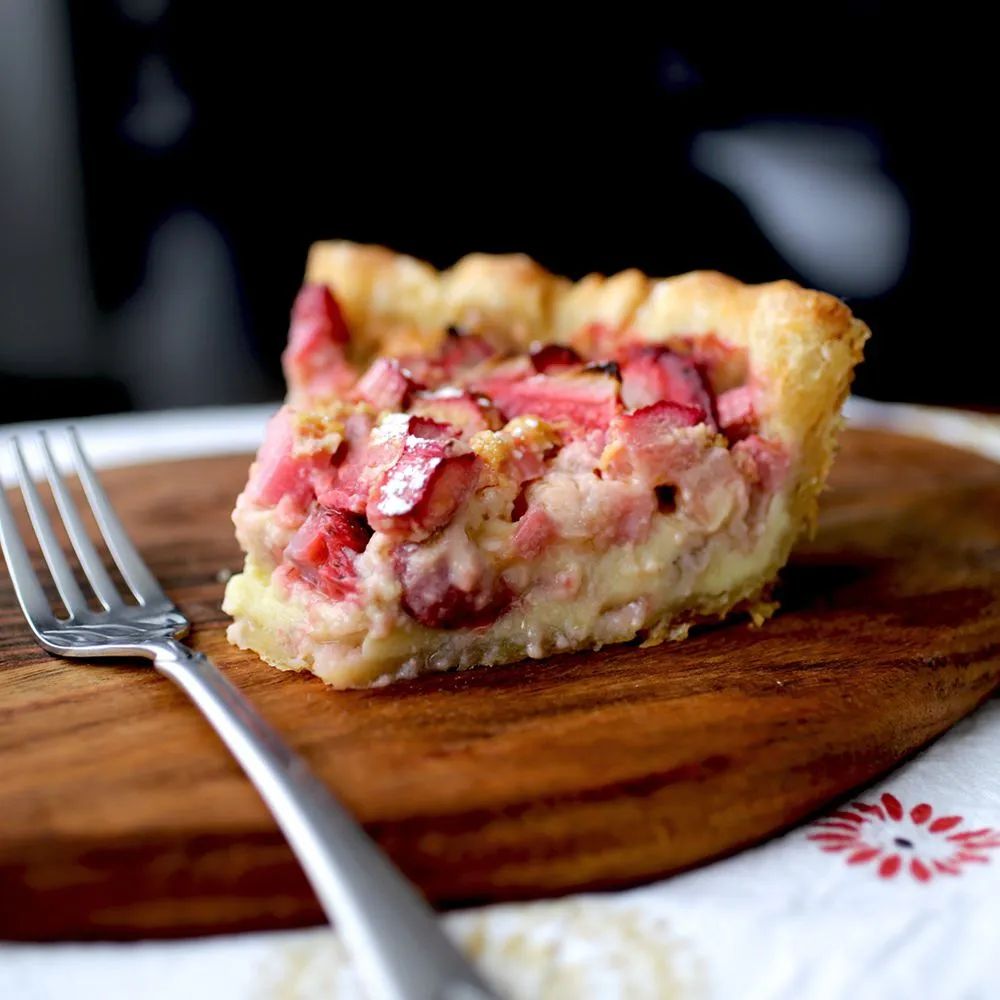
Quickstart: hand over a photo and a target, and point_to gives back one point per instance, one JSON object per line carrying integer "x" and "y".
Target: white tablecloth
{"x": 895, "y": 894}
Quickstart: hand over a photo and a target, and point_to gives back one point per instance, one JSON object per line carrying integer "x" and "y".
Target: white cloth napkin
{"x": 894, "y": 893}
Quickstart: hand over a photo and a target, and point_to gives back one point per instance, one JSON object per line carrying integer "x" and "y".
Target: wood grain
{"x": 122, "y": 816}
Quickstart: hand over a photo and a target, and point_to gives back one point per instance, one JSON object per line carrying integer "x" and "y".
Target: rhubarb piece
{"x": 423, "y": 488}
{"x": 535, "y": 530}
{"x": 464, "y": 350}
{"x": 323, "y": 550}
{"x": 574, "y": 402}
{"x": 387, "y": 385}
{"x": 533, "y": 444}
{"x": 314, "y": 360}
{"x": 737, "y": 412}
{"x": 570, "y": 466}
{"x": 438, "y": 597}
{"x": 764, "y": 463}
{"x": 654, "y": 374}
{"x": 551, "y": 357}
{"x": 651, "y": 444}
{"x": 465, "y": 410}
{"x": 278, "y": 472}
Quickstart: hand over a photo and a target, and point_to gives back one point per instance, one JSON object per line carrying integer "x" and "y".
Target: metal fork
{"x": 400, "y": 950}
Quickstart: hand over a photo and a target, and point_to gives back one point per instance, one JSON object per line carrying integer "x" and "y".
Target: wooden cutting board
{"x": 121, "y": 815}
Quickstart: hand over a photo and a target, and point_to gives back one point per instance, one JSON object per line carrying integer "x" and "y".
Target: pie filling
{"x": 476, "y": 504}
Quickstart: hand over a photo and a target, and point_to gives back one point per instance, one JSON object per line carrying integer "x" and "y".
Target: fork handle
{"x": 401, "y": 951}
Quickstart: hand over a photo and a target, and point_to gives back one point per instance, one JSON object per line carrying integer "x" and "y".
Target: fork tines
{"x": 26, "y": 583}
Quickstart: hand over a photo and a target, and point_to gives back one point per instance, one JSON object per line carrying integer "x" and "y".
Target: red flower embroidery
{"x": 897, "y": 840}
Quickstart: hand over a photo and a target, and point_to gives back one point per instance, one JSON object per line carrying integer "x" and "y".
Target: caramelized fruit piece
{"x": 551, "y": 357}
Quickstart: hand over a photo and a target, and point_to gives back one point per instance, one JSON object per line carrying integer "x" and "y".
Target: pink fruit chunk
{"x": 534, "y": 532}
{"x": 387, "y": 385}
{"x": 464, "y": 350}
{"x": 553, "y": 357}
{"x": 652, "y": 374}
{"x": 528, "y": 459}
{"x": 420, "y": 426}
{"x": 423, "y": 488}
{"x": 577, "y": 402}
{"x": 314, "y": 360}
{"x": 346, "y": 482}
{"x": 323, "y": 550}
{"x": 737, "y": 412}
{"x": 277, "y": 472}
{"x": 316, "y": 310}
{"x": 463, "y": 410}
{"x": 654, "y": 446}
{"x": 365, "y": 457}
{"x": 498, "y": 375}
{"x": 763, "y": 463}
{"x": 648, "y": 423}
{"x": 634, "y": 511}
{"x": 433, "y": 596}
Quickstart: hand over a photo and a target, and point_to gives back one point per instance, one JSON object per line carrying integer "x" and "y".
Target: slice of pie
{"x": 492, "y": 462}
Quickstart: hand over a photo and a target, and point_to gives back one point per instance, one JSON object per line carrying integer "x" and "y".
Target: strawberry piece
{"x": 737, "y": 413}
{"x": 459, "y": 408}
{"x": 576, "y": 402}
{"x": 464, "y": 350}
{"x": 277, "y": 473}
{"x": 554, "y": 356}
{"x": 652, "y": 374}
{"x": 421, "y": 491}
{"x": 324, "y": 548}
{"x": 387, "y": 385}
{"x": 434, "y": 598}
{"x": 314, "y": 360}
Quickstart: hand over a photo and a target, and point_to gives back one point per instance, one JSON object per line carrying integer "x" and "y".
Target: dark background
{"x": 164, "y": 167}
